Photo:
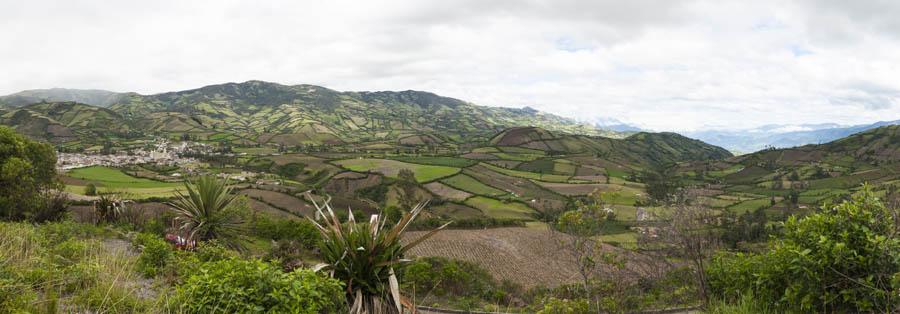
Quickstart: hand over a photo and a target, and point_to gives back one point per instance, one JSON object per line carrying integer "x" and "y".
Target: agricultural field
{"x": 528, "y": 175}
{"x": 112, "y": 180}
{"x": 526, "y": 256}
{"x": 390, "y": 168}
{"x": 446, "y": 192}
{"x": 467, "y": 183}
{"x": 437, "y": 161}
{"x": 500, "y": 209}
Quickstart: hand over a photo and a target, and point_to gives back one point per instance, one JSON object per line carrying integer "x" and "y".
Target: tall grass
{"x": 59, "y": 267}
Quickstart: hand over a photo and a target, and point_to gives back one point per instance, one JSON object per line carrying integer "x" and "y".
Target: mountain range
{"x": 271, "y": 113}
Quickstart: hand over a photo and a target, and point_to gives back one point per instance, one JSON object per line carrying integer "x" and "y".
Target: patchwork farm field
{"x": 390, "y": 168}
{"x": 112, "y": 180}
{"x": 115, "y": 178}
{"x": 500, "y": 209}
{"x": 467, "y": 183}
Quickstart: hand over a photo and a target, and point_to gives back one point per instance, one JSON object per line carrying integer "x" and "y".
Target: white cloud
{"x": 666, "y": 65}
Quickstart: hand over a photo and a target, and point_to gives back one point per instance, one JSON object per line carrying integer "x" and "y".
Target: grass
{"x": 390, "y": 168}
{"x": 528, "y": 175}
{"x": 500, "y": 210}
{"x": 749, "y": 205}
{"x": 115, "y": 178}
{"x": 255, "y": 150}
{"x": 67, "y": 266}
{"x": 438, "y": 161}
{"x": 468, "y": 184}
{"x": 129, "y": 193}
{"x": 516, "y": 157}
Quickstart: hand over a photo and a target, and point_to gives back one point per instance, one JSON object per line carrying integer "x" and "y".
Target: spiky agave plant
{"x": 209, "y": 211}
{"x": 366, "y": 256}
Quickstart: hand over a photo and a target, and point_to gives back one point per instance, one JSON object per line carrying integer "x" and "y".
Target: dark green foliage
{"x": 451, "y": 278}
{"x": 27, "y": 168}
{"x": 90, "y": 189}
{"x": 156, "y": 254}
{"x": 253, "y": 286}
{"x": 301, "y": 231}
{"x": 290, "y": 170}
{"x": 842, "y": 259}
{"x": 376, "y": 193}
{"x": 661, "y": 184}
{"x": 748, "y": 227}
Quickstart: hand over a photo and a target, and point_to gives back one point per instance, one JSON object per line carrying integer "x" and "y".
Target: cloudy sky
{"x": 663, "y": 65}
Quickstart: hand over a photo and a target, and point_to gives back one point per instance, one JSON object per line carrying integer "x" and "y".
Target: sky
{"x": 660, "y": 65}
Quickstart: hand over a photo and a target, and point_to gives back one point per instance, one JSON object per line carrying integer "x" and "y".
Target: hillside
{"x": 265, "y": 112}
{"x": 94, "y": 97}
{"x": 65, "y": 121}
{"x": 641, "y": 148}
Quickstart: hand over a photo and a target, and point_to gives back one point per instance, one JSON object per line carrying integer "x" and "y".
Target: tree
{"x": 661, "y": 184}
{"x": 691, "y": 234}
{"x": 27, "y": 172}
{"x": 582, "y": 228}
{"x": 209, "y": 211}
{"x": 843, "y": 259}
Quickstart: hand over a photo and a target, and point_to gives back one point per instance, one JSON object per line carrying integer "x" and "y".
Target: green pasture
{"x": 499, "y": 209}
{"x": 469, "y": 184}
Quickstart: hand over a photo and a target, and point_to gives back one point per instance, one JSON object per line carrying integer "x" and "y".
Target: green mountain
{"x": 641, "y": 148}
{"x": 65, "y": 121}
{"x": 100, "y": 98}
{"x": 871, "y": 156}
{"x": 262, "y": 112}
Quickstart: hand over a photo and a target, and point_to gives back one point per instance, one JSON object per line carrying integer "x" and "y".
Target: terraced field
{"x": 390, "y": 168}
{"x": 467, "y": 183}
{"x": 499, "y": 209}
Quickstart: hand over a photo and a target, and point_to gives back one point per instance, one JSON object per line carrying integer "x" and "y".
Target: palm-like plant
{"x": 209, "y": 211}
{"x": 366, "y": 257}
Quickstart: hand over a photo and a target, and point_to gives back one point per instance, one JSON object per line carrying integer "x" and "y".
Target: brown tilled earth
{"x": 527, "y": 256}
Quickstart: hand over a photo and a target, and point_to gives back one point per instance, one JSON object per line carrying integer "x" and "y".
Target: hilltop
{"x": 94, "y": 97}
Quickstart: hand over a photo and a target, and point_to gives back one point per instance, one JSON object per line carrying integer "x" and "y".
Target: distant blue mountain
{"x": 780, "y": 136}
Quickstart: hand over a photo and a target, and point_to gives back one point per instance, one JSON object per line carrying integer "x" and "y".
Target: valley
{"x": 502, "y": 178}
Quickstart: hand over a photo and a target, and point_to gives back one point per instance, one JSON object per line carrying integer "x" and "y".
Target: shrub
{"x": 447, "y": 277}
{"x": 243, "y": 286}
{"x": 90, "y": 189}
{"x": 209, "y": 211}
{"x": 842, "y": 259}
{"x": 301, "y": 231}
{"x": 365, "y": 256}
{"x": 553, "y": 305}
{"x": 156, "y": 254}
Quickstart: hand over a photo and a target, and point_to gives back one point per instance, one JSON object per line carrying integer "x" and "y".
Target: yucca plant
{"x": 108, "y": 207}
{"x": 366, "y": 256}
{"x": 209, "y": 211}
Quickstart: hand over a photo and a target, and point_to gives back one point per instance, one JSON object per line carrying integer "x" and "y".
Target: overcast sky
{"x": 663, "y": 65}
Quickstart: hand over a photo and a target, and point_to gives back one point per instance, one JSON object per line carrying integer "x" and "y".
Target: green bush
{"x": 553, "y": 305}
{"x": 156, "y": 254}
{"x": 301, "y": 231}
{"x": 455, "y": 280}
{"x": 244, "y": 286}
{"x": 842, "y": 259}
